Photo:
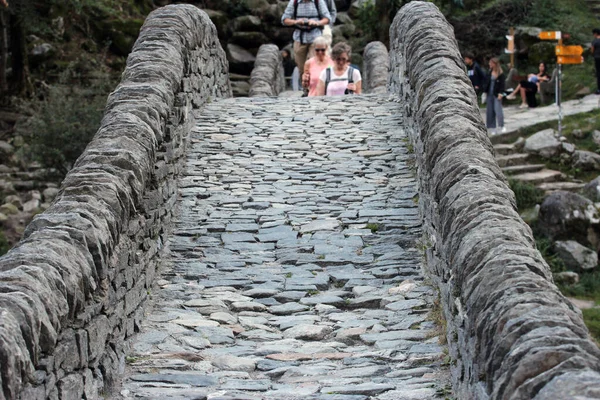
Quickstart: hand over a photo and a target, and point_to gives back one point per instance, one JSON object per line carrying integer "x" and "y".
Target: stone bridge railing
{"x": 511, "y": 334}
{"x": 71, "y": 290}
{"x": 267, "y": 78}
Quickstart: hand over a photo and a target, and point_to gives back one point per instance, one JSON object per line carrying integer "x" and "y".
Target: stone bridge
{"x": 365, "y": 247}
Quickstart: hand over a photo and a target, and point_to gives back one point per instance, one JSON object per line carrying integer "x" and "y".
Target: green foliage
{"x": 373, "y": 227}
{"x": 591, "y": 317}
{"x": 63, "y": 123}
{"x": 237, "y": 9}
{"x": 368, "y": 20}
{"x": 526, "y": 194}
{"x": 587, "y": 288}
{"x": 4, "y": 245}
{"x": 544, "y": 246}
{"x": 569, "y": 16}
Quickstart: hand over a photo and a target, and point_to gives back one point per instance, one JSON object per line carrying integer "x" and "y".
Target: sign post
{"x": 564, "y": 55}
{"x": 510, "y": 48}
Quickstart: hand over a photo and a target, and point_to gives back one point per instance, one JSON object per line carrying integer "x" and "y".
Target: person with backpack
{"x": 341, "y": 78}
{"x": 308, "y": 17}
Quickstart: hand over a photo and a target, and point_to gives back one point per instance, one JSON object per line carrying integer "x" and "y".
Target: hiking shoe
{"x": 524, "y": 105}
{"x": 503, "y": 130}
{"x": 512, "y": 96}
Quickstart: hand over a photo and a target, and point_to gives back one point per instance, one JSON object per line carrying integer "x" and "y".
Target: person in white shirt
{"x": 341, "y": 78}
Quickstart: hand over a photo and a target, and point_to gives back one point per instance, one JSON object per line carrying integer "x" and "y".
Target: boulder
{"x": 592, "y": 190}
{"x": 343, "y": 18}
{"x": 566, "y": 278}
{"x": 50, "y": 194}
{"x": 245, "y": 23}
{"x": 579, "y": 133}
{"x": 240, "y": 88}
{"x": 249, "y": 39}
{"x": 586, "y": 160}
{"x": 219, "y": 18}
{"x": 543, "y": 143}
{"x": 569, "y": 216}
{"x": 568, "y": 148}
{"x": 596, "y": 137}
{"x": 576, "y": 256}
{"x": 241, "y": 61}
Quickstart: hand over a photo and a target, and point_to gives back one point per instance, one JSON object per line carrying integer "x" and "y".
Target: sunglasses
{"x": 341, "y": 59}
{"x": 319, "y": 49}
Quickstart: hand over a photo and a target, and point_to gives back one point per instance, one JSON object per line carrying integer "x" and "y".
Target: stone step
{"x": 512, "y": 159}
{"x": 520, "y": 169}
{"x": 504, "y": 149}
{"x": 549, "y": 187}
{"x": 543, "y": 176}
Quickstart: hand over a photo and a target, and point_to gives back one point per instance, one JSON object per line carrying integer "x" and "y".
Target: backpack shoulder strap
{"x": 296, "y": 9}
{"x": 327, "y": 78}
{"x": 350, "y": 75}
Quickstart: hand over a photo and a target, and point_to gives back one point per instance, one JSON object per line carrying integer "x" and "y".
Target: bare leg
{"x": 523, "y": 97}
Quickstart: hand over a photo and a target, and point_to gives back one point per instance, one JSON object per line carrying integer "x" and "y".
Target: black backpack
{"x": 328, "y": 79}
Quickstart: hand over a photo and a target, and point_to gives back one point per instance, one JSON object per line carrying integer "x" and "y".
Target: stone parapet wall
{"x": 376, "y": 68}
{"x": 72, "y": 290}
{"x": 511, "y": 333}
{"x": 267, "y": 78}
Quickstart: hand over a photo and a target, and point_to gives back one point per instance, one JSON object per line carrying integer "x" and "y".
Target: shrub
{"x": 526, "y": 194}
{"x": 544, "y": 246}
{"x": 591, "y": 316}
{"x": 63, "y": 123}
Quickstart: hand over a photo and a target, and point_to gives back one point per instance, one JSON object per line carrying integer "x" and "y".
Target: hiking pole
{"x": 558, "y": 89}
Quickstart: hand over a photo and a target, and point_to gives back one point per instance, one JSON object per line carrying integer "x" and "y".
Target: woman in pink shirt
{"x": 341, "y": 78}
{"x": 315, "y": 65}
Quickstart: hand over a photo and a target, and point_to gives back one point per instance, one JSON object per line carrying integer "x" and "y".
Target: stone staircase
{"x": 517, "y": 165}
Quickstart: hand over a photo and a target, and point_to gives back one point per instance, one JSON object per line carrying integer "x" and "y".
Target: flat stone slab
{"x": 293, "y": 271}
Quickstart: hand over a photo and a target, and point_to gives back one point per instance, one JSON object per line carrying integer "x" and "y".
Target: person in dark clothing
{"x": 596, "y": 54}
{"x": 288, "y": 63}
{"x": 494, "y": 86}
{"x": 475, "y": 73}
{"x": 528, "y": 88}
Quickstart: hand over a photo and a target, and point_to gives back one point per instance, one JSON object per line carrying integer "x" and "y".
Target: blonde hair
{"x": 497, "y": 68}
{"x": 321, "y": 41}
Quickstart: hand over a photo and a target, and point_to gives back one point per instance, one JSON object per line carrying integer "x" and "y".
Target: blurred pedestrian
{"x": 494, "y": 87}
{"x": 315, "y": 65}
{"x": 474, "y": 72}
{"x": 596, "y": 54}
{"x": 341, "y": 78}
{"x": 308, "y": 17}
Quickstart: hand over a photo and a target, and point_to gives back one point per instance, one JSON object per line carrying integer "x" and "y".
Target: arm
{"x": 321, "y": 88}
{"x": 286, "y": 18}
{"x": 324, "y": 12}
{"x": 358, "y": 87}
{"x": 501, "y": 86}
{"x": 306, "y": 74}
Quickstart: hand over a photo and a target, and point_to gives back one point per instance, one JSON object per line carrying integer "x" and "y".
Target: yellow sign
{"x": 569, "y": 60}
{"x": 550, "y": 35}
{"x": 569, "y": 50}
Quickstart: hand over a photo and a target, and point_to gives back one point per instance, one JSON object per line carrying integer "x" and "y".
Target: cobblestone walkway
{"x": 295, "y": 270}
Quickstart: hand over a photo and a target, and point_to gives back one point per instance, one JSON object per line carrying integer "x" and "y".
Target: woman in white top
{"x": 341, "y": 78}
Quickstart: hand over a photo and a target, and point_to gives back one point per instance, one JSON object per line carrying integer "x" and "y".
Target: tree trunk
{"x": 20, "y": 63}
{"x": 3, "y": 51}
{"x": 383, "y": 9}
